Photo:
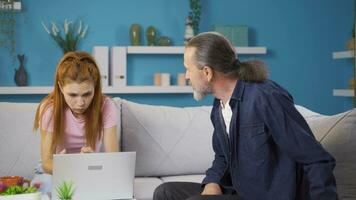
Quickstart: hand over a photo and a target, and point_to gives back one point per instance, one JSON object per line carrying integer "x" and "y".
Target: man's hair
{"x": 214, "y": 50}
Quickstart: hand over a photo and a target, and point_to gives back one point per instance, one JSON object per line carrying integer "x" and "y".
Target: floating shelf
{"x": 106, "y": 90}
{"x": 119, "y": 69}
{"x": 180, "y": 50}
{"x": 343, "y": 92}
{"x": 343, "y": 54}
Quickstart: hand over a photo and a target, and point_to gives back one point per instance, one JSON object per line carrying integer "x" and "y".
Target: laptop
{"x": 96, "y": 176}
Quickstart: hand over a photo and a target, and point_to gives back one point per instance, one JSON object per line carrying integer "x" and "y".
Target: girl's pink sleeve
{"x": 46, "y": 122}
{"x": 109, "y": 113}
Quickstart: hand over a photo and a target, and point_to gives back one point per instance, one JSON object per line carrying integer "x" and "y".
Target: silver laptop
{"x": 96, "y": 176}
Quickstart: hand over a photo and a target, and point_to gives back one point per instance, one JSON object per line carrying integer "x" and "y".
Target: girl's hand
{"x": 86, "y": 150}
{"x": 64, "y": 151}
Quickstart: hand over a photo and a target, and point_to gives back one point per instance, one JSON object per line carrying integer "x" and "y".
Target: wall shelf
{"x": 343, "y": 92}
{"x": 343, "y": 54}
{"x": 119, "y": 66}
{"x": 106, "y": 90}
{"x": 119, "y": 72}
{"x": 180, "y": 50}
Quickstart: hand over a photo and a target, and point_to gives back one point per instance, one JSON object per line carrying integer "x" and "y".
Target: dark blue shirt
{"x": 270, "y": 153}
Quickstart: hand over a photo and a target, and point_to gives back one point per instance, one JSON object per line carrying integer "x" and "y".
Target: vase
{"x": 189, "y": 32}
{"x": 135, "y": 34}
{"x": 151, "y": 36}
{"x": 164, "y": 41}
{"x": 20, "y": 73}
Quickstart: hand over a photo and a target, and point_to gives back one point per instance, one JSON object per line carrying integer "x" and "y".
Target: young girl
{"x": 75, "y": 117}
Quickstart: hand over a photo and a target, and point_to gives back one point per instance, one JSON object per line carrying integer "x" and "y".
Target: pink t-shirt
{"x": 74, "y": 131}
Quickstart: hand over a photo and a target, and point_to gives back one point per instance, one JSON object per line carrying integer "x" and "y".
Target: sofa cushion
{"x": 19, "y": 145}
{"x": 184, "y": 178}
{"x": 145, "y": 187}
{"x": 337, "y": 134}
{"x": 306, "y": 113}
{"x": 168, "y": 140}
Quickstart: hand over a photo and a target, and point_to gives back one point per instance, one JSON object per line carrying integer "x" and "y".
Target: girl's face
{"x": 78, "y": 96}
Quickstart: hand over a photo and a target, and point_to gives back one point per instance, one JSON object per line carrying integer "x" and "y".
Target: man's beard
{"x": 202, "y": 92}
{"x": 198, "y": 95}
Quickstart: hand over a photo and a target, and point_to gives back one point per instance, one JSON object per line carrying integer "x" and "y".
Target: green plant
{"x": 7, "y": 27}
{"x": 195, "y": 11}
{"x": 16, "y": 189}
{"x": 65, "y": 190}
{"x": 69, "y": 39}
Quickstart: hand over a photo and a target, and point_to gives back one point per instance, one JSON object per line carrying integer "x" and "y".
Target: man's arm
{"x": 293, "y": 135}
{"x": 216, "y": 171}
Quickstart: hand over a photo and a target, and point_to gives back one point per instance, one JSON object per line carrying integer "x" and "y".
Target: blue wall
{"x": 300, "y": 36}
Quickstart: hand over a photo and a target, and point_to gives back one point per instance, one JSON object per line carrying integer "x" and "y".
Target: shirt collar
{"x": 237, "y": 94}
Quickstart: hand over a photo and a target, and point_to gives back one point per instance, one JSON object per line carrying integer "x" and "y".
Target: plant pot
{"x": 11, "y": 180}
{"x": 29, "y": 196}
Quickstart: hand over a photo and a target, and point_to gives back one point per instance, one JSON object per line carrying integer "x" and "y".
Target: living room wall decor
{"x": 72, "y": 32}
{"x": 195, "y": 12}
{"x": 20, "y": 73}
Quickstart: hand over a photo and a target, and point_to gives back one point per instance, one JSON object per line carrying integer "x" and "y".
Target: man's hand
{"x": 86, "y": 150}
{"x": 212, "y": 189}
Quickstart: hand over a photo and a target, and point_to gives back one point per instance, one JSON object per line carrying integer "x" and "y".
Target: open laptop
{"x": 96, "y": 176}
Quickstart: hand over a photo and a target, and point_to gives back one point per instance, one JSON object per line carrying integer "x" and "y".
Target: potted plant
{"x": 18, "y": 191}
{"x": 194, "y": 14}
{"x": 69, "y": 38}
{"x": 65, "y": 191}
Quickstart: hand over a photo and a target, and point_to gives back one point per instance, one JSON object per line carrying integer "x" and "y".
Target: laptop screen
{"x": 96, "y": 175}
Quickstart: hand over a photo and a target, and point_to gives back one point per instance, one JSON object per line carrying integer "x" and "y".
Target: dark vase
{"x": 20, "y": 74}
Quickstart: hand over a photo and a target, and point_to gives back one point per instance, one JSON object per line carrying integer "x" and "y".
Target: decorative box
{"x": 238, "y": 35}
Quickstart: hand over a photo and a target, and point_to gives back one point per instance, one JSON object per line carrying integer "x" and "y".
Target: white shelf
{"x": 180, "y": 50}
{"x": 106, "y": 90}
{"x": 148, "y": 89}
{"x": 25, "y": 90}
{"x": 343, "y": 54}
{"x": 343, "y": 92}
{"x": 155, "y": 50}
{"x": 119, "y": 72}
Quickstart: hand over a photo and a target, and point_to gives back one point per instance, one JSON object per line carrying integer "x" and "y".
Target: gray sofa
{"x": 172, "y": 144}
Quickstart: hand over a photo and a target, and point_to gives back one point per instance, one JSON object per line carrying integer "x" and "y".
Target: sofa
{"x": 172, "y": 143}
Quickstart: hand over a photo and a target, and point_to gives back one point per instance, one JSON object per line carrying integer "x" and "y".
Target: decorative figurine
{"x": 20, "y": 74}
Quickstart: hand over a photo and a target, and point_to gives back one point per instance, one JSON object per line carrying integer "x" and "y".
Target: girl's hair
{"x": 74, "y": 67}
{"x": 214, "y": 50}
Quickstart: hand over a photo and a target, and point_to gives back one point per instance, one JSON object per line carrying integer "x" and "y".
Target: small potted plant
{"x": 19, "y": 192}
{"x": 194, "y": 14}
{"x": 68, "y": 38}
{"x": 65, "y": 191}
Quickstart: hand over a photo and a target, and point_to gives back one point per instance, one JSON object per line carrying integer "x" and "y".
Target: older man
{"x": 264, "y": 148}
